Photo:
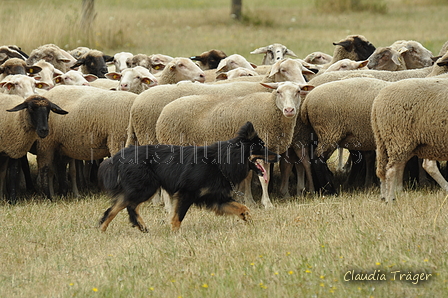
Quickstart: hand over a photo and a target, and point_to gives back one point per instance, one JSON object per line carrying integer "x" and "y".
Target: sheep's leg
{"x": 264, "y": 185}
{"x": 340, "y": 159}
{"x": 301, "y": 174}
{"x": 370, "y": 167}
{"x": 247, "y": 185}
{"x": 392, "y": 175}
{"x": 13, "y": 180}
{"x": 304, "y": 156}
{"x": 3, "y": 170}
{"x": 72, "y": 172}
{"x": 27, "y": 174}
{"x": 285, "y": 171}
{"x": 431, "y": 168}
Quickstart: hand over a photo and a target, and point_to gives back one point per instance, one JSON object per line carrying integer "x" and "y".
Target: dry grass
{"x": 302, "y": 248}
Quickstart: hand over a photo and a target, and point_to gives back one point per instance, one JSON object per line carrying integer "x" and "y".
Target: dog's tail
{"x": 108, "y": 177}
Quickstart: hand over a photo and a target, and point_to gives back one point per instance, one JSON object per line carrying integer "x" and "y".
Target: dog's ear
{"x": 247, "y": 131}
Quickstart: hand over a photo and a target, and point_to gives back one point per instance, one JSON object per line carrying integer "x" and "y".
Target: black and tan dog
{"x": 204, "y": 176}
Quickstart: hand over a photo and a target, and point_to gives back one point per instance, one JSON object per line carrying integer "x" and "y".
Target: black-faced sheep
{"x": 14, "y": 66}
{"x": 204, "y": 119}
{"x": 93, "y": 62}
{"x": 273, "y": 53}
{"x": 209, "y": 59}
{"x": 19, "y": 130}
{"x": 94, "y": 128}
{"x": 409, "y": 119}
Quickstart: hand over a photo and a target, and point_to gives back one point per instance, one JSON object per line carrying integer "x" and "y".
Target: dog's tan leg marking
{"x": 141, "y": 223}
{"x": 236, "y": 208}
{"x": 119, "y": 205}
{"x": 175, "y": 222}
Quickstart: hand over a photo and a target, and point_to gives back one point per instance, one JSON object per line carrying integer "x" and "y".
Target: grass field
{"x": 304, "y": 247}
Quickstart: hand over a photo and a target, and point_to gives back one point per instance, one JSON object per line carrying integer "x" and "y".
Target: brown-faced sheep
{"x": 273, "y": 53}
{"x": 409, "y": 119}
{"x": 155, "y": 62}
{"x": 204, "y": 119}
{"x": 53, "y": 54}
{"x": 386, "y": 58}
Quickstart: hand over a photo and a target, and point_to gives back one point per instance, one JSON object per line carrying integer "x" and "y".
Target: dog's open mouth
{"x": 261, "y": 170}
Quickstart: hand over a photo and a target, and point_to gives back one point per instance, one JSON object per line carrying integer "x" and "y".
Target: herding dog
{"x": 204, "y": 176}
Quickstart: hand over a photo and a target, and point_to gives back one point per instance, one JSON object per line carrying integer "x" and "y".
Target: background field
{"x": 301, "y": 248}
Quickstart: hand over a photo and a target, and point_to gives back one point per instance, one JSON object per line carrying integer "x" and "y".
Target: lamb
{"x": 273, "y": 53}
{"x": 386, "y": 58}
{"x": 53, "y": 54}
{"x": 349, "y": 102}
{"x": 136, "y": 80}
{"x": 14, "y": 66}
{"x": 21, "y": 85}
{"x": 180, "y": 69}
{"x": 75, "y": 77}
{"x": 409, "y": 119}
{"x": 93, "y": 62}
{"x": 414, "y": 53}
{"x": 28, "y": 123}
{"x": 183, "y": 121}
{"x": 155, "y": 62}
{"x": 120, "y": 60}
{"x": 209, "y": 59}
{"x": 318, "y": 58}
{"x": 94, "y": 128}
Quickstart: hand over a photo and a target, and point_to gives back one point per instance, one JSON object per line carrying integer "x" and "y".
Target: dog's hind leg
{"x": 135, "y": 218}
{"x": 181, "y": 204}
{"x": 234, "y": 208}
{"x": 110, "y": 213}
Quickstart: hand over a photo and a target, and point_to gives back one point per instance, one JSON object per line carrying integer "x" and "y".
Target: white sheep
{"x": 414, "y": 53}
{"x": 339, "y": 113}
{"x": 318, "y": 58}
{"x": 47, "y": 74}
{"x": 234, "y": 61}
{"x": 136, "y": 79}
{"x": 20, "y": 129}
{"x": 155, "y": 62}
{"x": 120, "y": 60}
{"x": 236, "y": 73}
{"x": 204, "y": 119}
{"x": 53, "y": 54}
{"x": 21, "y": 85}
{"x": 95, "y": 127}
{"x": 386, "y": 58}
{"x": 180, "y": 69}
{"x": 75, "y": 77}
{"x": 273, "y": 53}
{"x": 409, "y": 119}
{"x": 347, "y": 64}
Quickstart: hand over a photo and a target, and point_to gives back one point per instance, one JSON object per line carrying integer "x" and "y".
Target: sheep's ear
{"x": 348, "y": 46}
{"x": 253, "y": 65}
{"x": 270, "y": 85}
{"x": 363, "y": 64}
{"x": 222, "y": 76}
{"x": 261, "y": 50}
{"x": 158, "y": 66}
{"x": 58, "y": 80}
{"x": 63, "y": 59}
{"x": 7, "y": 85}
{"x": 396, "y": 58}
{"x": 33, "y": 69}
{"x": 78, "y": 63}
{"x": 434, "y": 59}
{"x": 57, "y": 72}
{"x": 42, "y": 85}
{"x": 196, "y": 58}
{"x": 56, "y": 109}
{"x": 290, "y": 53}
{"x": 308, "y": 71}
{"x": 90, "y": 77}
{"x": 113, "y": 76}
{"x": 305, "y": 89}
{"x": 148, "y": 81}
{"x": 19, "y": 107}
{"x": 108, "y": 58}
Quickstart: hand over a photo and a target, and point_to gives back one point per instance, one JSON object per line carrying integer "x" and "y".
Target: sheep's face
{"x": 210, "y": 59}
{"x": 288, "y": 96}
{"x": 357, "y": 47}
{"x": 136, "y": 80}
{"x": 38, "y": 109}
{"x": 186, "y": 70}
{"x": 120, "y": 60}
{"x": 287, "y": 70}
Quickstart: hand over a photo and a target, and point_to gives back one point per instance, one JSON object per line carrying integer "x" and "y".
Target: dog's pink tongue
{"x": 261, "y": 168}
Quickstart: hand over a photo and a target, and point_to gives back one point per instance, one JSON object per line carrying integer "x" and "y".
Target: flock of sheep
{"x": 385, "y": 105}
